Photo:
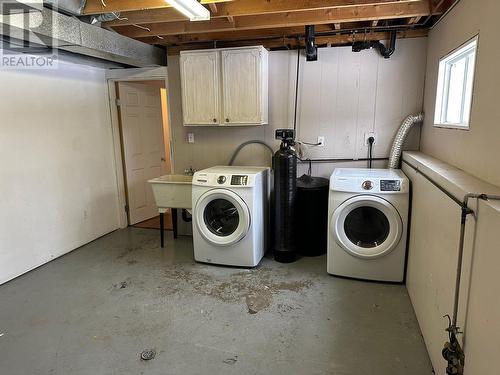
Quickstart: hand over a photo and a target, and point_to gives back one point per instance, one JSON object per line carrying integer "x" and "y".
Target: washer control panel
{"x": 239, "y": 180}
{"x": 390, "y": 185}
{"x": 223, "y": 180}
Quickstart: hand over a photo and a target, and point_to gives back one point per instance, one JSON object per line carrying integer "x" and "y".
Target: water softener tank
{"x": 285, "y": 189}
{"x": 312, "y": 215}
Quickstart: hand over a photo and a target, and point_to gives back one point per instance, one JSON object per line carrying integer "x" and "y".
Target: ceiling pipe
{"x": 311, "y": 48}
{"x": 386, "y": 52}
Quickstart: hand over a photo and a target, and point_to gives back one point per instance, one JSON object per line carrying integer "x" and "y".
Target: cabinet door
{"x": 242, "y": 86}
{"x": 200, "y": 88}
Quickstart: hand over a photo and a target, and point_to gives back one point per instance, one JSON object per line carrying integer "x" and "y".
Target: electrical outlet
{"x": 368, "y": 135}
{"x": 321, "y": 141}
{"x": 190, "y": 137}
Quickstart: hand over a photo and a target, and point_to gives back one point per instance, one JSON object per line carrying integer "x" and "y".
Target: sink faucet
{"x": 190, "y": 171}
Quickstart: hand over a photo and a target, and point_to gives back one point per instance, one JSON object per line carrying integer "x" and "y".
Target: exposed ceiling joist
{"x": 244, "y": 8}
{"x": 344, "y": 39}
{"x": 292, "y": 19}
{"x": 118, "y": 6}
{"x": 234, "y": 36}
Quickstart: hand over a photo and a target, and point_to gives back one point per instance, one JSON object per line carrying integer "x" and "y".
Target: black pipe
{"x": 296, "y": 93}
{"x": 311, "y": 49}
{"x": 386, "y": 52}
{"x": 337, "y": 160}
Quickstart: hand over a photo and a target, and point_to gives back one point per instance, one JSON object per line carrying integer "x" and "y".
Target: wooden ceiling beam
{"x": 334, "y": 40}
{"x": 118, "y": 6}
{"x": 293, "y": 19}
{"x": 244, "y": 8}
{"x": 282, "y": 32}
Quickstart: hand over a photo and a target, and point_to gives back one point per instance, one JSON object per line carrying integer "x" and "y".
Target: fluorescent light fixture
{"x": 191, "y": 9}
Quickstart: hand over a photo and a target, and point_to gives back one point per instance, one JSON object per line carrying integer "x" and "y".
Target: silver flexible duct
{"x": 403, "y": 131}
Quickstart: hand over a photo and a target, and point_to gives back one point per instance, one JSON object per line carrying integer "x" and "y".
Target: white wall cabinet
{"x": 200, "y": 87}
{"x": 225, "y": 87}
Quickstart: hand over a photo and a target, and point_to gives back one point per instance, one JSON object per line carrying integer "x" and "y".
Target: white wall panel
{"x": 57, "y": 179}
{"x": 476, "y": 150}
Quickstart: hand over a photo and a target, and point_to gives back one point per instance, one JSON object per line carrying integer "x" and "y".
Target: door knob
{"x": 163, "y": 159}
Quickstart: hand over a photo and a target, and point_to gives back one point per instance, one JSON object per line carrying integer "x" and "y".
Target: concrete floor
{"x": 96, "y": 309}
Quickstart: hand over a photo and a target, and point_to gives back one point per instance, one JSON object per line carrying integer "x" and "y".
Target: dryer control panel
{"x": 390, "y": 185}
{"x": 369, "y": 181}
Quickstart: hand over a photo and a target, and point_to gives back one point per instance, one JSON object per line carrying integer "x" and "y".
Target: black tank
{"x": 285, "y": 191}
{"x": 312, "y": 215}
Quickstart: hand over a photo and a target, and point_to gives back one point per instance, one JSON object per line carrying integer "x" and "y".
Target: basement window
{"x": 455, "y": 85}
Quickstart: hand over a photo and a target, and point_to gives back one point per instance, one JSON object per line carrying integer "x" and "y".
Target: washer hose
{"x": 244, "y": 144}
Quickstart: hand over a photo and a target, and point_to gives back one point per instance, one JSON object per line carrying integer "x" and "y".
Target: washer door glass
{"x": 366, "y": 226}
{"x": 221, "y": 217}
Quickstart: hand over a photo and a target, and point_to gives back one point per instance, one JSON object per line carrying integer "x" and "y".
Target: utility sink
{"x": 172, "y": 191}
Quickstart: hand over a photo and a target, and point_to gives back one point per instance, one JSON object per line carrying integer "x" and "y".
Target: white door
{"x": 200, "y": 88}
{"x": 241, "y": 86}
{"x": 143, "y": 146}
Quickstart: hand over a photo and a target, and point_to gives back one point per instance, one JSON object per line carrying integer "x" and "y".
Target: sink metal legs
{"x": 174, "y": 221}
{"x": 162, "y": 228}
{"x": 162, "y": 225}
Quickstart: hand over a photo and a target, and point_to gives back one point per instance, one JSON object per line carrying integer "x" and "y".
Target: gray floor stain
{"x": 256, "y": 286}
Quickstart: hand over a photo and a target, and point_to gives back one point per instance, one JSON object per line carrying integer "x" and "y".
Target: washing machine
{"x": 231, "y": 215}
{"x": 368, "y": 222}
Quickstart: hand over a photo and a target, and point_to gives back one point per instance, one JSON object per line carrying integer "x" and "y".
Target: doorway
{"x": 145, "y": 146}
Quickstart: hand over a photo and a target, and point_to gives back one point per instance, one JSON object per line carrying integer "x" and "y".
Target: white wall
{"x": 57, "y": 177}
{"x": 432, "y": 264}
{"x": 343, "y": 95}
{"x": 476, "y": 151}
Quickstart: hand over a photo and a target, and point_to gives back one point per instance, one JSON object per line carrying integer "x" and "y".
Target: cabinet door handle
{"x": 214, "y": 120}
{"x": 227, "y": 120}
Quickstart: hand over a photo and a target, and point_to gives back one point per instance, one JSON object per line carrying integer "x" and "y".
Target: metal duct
{"x": 20, "y": 6}
{"x": 55, "y": 30}
{"x": 403, "y": 131}
{"x": 74, "y": 7}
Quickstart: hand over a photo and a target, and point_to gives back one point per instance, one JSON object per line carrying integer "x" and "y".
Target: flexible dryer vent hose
{"x": 403, "y": 131}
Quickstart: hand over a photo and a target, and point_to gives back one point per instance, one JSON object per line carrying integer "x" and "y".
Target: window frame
{"x": 443, "y": 84}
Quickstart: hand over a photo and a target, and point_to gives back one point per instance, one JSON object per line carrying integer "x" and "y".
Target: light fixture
{"x": 191, "y": 9}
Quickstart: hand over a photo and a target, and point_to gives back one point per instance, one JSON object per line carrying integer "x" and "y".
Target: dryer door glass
{"x": 221, "y": 217}
{"x": 366, "y": 226}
